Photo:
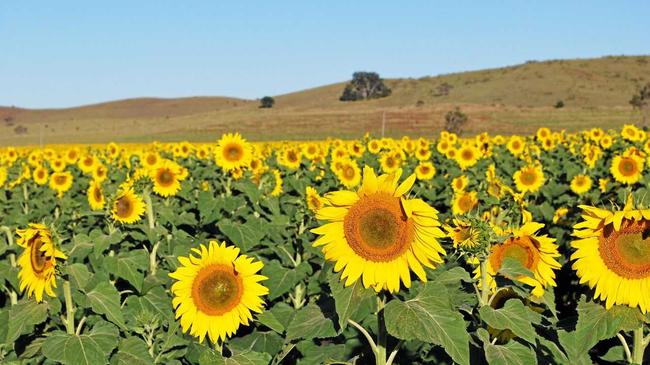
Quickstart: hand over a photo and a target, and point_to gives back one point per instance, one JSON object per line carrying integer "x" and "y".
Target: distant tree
{"x": 455, "y": 120}
{"x": 443, "y": 89}
{"x": 559, "y": 104}
{"x": 267, "y": 102}
{"x": 365, "y": 85}
{"x": 640, "y": 101}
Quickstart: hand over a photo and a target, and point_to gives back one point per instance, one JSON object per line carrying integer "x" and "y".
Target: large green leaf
{"x": 512, "y": 353}
{"x": 310, "y": 322}
{"x": 283, "y": 279}
{"x": 104, "y": 299}
{"x": 428, "y": 317}
{"x": 513, "y": 316}
{"x": 132, "y": 351}
{"x": 242, "y": 235}
{"x": 22, "y": 318}
{"x": 86, "y": 349}
{"x": 348, "y": 300}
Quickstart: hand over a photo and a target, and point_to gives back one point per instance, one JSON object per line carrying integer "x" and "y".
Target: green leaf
{"x": 513, "y": 316}
{"x": 22, "y": 318}
{"x": 248, "y": 357}
{"x": 512, "y": 353}
{"x": 104, "y": 299}
{"x": 268, "y": 342}
{"x": 282, "y": 279}
{"x": 310, "y": 322}
{"x": 78, "y": 274}
{"x": 453, "y": 276}
{"x": 428, "y": 317}
{"x": 348, "y": 300}
{"x": 87, "y": 349}
{"x": 269, "y": 319}
{"x": 241, "y": 235}
{"x": 512, "y": 268}
{"x": 132, "y": 351}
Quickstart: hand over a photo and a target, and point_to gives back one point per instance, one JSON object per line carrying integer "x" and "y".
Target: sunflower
{"x": 61, "y": 182}
{"x": 464, "y": 202}
{"x": 529, "y": 178}
{"x": 462, "y": 234}
{"x": 374, "y": 146}
{"x": 467, "y": 156}
{"x": 602, "y": 185}
{"x": 166, "y": 178}
{"x": 232, "y": 151}
{"x": 57, "y": 165}
{"x": 516, "y": 145}
{"x": 216, "y": 291}
{"x": 377, "y": 234}
{"x": 537, "y": 253}
{"x": 150, "y": 160}
{"x": 127, "y": 207}
{"x": 627, "y": 169}
{"x": 95, "y": 195}
{"x": 581, "y": 184}
{"x": 314, "y": 200}
{"x": 3, "y": 176}
{"x": 458, "y": 184}
{"x": 100, "y": 172}
{"x": 291, "y": 157}
{"x": 87, "y": 163}
{"x": 38, "y": 261}
{"x": 40, "y": 175}
{"x": 277, "y": 183}
{"x": 425, "y": 171}
{"x": 390, "y": 162}
{"x": 613, "y": 254}
{"x": 348, "y": 173}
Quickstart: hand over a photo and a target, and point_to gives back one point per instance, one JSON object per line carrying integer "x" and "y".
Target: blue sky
{"x": 66, "y": 53}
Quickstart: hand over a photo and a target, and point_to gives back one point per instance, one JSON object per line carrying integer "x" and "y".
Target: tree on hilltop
{"x": 365, "y": 85}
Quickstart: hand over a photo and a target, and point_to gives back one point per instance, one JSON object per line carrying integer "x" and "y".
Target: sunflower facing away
{"x": 127, "y": 207}
{"x": 216, "y": 291}
{"x": 537, "y": 253}
{"x": 613, "y": 254}
{"x": 38, "y": 261}
{"x": 232, "y": 151}
{"x": 377, "y": 234}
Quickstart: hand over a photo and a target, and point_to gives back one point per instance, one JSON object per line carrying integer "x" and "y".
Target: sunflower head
{"x": 233, "y": 152}
{"x": 38, "y": 261}
{"x": 127, "y": 207}
{"x": 216, "y": 291}
{"x": 377, "y": 235}
{"x": 95, "y": 195}
{"x": 627, "y": 169}
{"x": 61, "y": 182}
{"x": 470, "y": 234}
{"x": 581, "y": 184}
{"x": 166, "y": 178}
{"x": 529, "y": 178}
{"x": 613, "y": 254}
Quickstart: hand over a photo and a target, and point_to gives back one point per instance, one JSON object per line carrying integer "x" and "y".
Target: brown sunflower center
{"x": 217, "y": 289}
{"x": 37, "y": 257}
{"x": 165, "y": 177}
{"x": 377, "y": 228}
{"x": 123, "y": 207}
{"x": 40, "y": 174}
{"x": 60, "y": 179}
{"x": 466, "y": 203}
{"x": 528, "y": 177}
{"x": 233, "y": 152}
{"x": 627, "y": 166}
{"x": 348, "y": 172}
{"x": 152, "y": 159}
{"x": 627, "y": 251}
{"x": 292, "y": 156}
{"x": 424, "y": 169}
{"x": 523, "y": 249}
{"x": 467, "y": 155}
{"x": 97, "y": 194}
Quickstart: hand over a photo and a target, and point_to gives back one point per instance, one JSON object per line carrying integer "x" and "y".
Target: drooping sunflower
{"x": 127, "y": 207}
{"x": 38, "y": 261}
{"x": 529, "y": 178}
{"x": 61, "y": 182}
{"x": 537, "y": 253}
{"x": 166, "y": 178}
{"x": 581, "y": 184}
{"x": 464, "y": 202}
{"x": 613, "y": 254}
{"x": 377, "y": 234}
{"x": 95, "y": 195}
{"x": 217, "y": 291}
{"x": 232, "y": 151}
{"x": 314, "y": 200}
{"x": 627, "y": 169}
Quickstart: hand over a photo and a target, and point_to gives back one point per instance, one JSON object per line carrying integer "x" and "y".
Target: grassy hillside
{"x": 516, "y": 99}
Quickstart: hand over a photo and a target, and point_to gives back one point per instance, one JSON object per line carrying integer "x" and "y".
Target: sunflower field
{"x": 490, "y": 249}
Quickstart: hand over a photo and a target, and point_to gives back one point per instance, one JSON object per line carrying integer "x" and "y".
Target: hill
{"x": 515, "y": 99}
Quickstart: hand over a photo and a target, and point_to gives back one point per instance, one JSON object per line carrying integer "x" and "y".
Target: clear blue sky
{"x": 65, "y": 53}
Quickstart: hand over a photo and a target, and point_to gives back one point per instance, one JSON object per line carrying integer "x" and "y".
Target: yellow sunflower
{"x": 529, "y": 178}
{"x": 581, "y": 184}
{"x": 348, "y": 173}
{"x": 425, "y": 171}
{"x": 627, "y": 169}
{"x": 166, "y": 178}
{"x": 613, "y": 254}
{"x": 377, "y": 234}
{"x": 314, "y": 200}
{"x": 290, "y": 157}
{"x": 127, "y": 207}
{"x": 458, "y": 184}
{"x": 462, "y": 234}
{"x": 537, "y": 253}
{"x": 38, "y": 261}
{"x": 61, "y": 182}
{"x": 467, "y": 156}
{"x": 87, "y": 163}
{"x": 217, "y": 291}
{"x": 40, "y": 175}
{"x": 232, "y": 151}
{"x": 464, "y": 202}
{"x": 516, "y": 145}
{"x": 277, "y": 183}
{"x": 95, "y": 195}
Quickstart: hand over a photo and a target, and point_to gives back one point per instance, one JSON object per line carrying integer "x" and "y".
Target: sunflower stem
{"x": 639, "y": 346}
{"x": 380, "y": 353}
{"x": 150, "y": 216}
{"x": 153, "y": 261}
{"x": 485, "y": 288}
{"x": 69, "y": 308}
{"x": 626, "y": 348}
{"x": 26, "y": 198}
{"x": 365, "y": 333}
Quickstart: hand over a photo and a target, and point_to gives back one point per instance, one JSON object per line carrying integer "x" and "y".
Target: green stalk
{"x": 13, "y": 296}
{"x": 485, "y": 288}
{"x": 69, "y": 308}
{"x": 639, "y": 346}
{"x": 380, "y": 353}
{"x": 151, "y": 218}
